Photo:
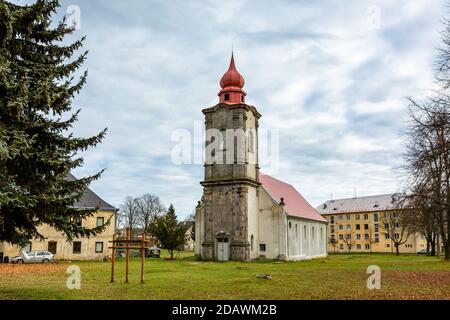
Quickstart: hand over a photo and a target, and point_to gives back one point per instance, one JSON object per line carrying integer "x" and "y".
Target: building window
{"x": 77, "y": 247}
{"x": 396, "y": 236}
{"x": 348, "y": 236}
{"x": 358, "y": 227}
{"x": 313, "y": 232}
{"x": 357, "y": 216}
{"x": 375, "y": 217}
{"x": 341, "y": 246}
{"x": 321, "y": 233}
{"x": 366, "y": 237}
{"x": 290, "y": 225}
{"x": 366, "y": 216}
{"x": 340, "y": 218}
{"x": 98, "y": 247}
{"x": 242, "y": 98}
{"x": 366, "y": 227}
{"x": 341, "y": 237}
{"x": 332, "y": 228}
{"x": 100, "y": 221}
{"x": 387, "y": 245}
{"x": 52, "y": 247}
{"x": 386, "y": 226}
{"x": 377, "y": 237}
{"x": 367, "y": 246}
{"x": 341, "y": 227}
{"x": 332, "y": 219}
{"x": 386, "y": 236}
{"x": 78, "y": 222}
{"x": 358, "y": 237}
{"x": 296, "y": 230}
{"x": 376, "y": 227}
{"x": 358, "y": 247}
{"x": 349, "y": 227}
{"x": 227, "y": 96}
{"x": 262, "y": 247}
{"x": 304, "y": 231}
{"x": 252, "y": 240}
{"x": 347, "y": 217}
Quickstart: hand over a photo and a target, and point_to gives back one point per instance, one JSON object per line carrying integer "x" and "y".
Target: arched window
{"x": 252, "y": 242}
{"x": 227, "y": 96}
{"x": 304, "y": 232}
{"x": 312, "y": 233}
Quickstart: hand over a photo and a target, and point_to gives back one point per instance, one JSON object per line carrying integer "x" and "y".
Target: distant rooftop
{"x": 360, "y": 204}
{"x": 91, "y": 200}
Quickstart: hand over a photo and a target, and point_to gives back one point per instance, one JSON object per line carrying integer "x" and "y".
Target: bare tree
{"x": 149, "y": 207}
{"x": 334, "y": 243}
{"x": 428, "y": 165}
{"x": 422, "y": 219}
{"x": 129, "y": 214}
{"x": 370, "y": 239}
{"x": 349, "y": 239}
{"x": 395, "y": 226}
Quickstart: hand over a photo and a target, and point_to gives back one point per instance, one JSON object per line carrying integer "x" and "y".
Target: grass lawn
{"x": 336, "y": 277}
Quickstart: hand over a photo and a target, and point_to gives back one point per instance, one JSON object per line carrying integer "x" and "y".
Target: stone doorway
{"x": 223, "y": 249}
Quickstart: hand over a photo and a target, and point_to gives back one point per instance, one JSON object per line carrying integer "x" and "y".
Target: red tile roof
{"x": 296, "y": 205}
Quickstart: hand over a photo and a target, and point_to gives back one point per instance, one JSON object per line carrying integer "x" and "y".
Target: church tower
{"x": 231, "y": 178}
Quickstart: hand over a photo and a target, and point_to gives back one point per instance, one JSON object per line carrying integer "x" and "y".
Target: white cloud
{"x": 333, "y": 86}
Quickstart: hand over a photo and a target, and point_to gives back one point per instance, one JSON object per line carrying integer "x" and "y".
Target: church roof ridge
{"x": 295, "y": 204}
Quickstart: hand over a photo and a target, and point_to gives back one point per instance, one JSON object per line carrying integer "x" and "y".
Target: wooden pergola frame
{"x": 129, "y": 244}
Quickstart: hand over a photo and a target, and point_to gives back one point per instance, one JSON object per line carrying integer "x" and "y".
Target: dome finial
{"x": 232, "y": 83}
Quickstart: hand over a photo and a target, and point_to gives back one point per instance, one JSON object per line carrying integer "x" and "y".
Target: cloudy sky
{"x": 332, "y": 76}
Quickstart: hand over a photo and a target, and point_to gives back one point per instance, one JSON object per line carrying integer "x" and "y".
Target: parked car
{"x": 36, "y": 256}
{"x": 423, "y": 251}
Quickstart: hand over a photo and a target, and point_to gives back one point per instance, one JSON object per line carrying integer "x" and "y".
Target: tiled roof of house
{"x": 360, "y": 204}
{"x": 91, "y": 200}
{"x": 296, "y": 205}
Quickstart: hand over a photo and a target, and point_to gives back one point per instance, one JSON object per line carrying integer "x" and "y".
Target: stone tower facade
{"x": 231, "y": 177}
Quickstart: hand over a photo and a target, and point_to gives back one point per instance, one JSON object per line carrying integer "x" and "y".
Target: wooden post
{"x": 128, "y": 253}
{"x": 112, "y": 258}
{"x": 142, "y": 257}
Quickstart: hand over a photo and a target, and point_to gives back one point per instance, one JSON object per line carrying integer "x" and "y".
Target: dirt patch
{"x": 21, "y": 269}
{"x": 418, "y": 285}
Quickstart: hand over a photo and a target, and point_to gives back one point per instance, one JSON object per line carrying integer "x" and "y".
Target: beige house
{"x": 95, "y": 247}
{"x": 360, "y": 224}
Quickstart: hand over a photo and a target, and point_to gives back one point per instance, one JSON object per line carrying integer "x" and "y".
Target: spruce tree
{"x": 37, "y": 149}
{"x": 169, "y": 231}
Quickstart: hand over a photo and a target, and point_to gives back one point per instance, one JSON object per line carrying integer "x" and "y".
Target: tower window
{"x": 242, "y": 99}
{"x": 227, "y": 96}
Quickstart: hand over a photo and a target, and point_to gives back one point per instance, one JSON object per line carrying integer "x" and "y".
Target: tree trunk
{"x": 433, "y": 245}
{"x": 397, "y": 251}
{"x": 438, "y": 247}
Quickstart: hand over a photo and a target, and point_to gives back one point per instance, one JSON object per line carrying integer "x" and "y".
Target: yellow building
{"x": 366, "y": 224}
{"x": 96, "y": 247}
